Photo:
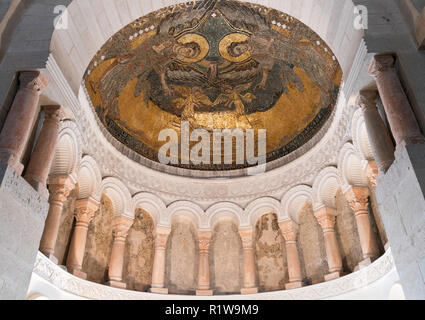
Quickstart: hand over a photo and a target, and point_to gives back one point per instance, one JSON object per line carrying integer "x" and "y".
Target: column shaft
{"x": 380, "y": 139}
{"x": 44, "y": 150}
{"x": 358, "y": 198}
{"x": 158, "y": 269}
{"x": 204, "y": 265}
{"x": 17, "y": 127}
{"x": 326, "y": 218}
{"x": 116, "y": 264}
{"x": 85, "y": 210}
{"x": 400, "y": 115}
{"x": 60, "y": 187}
{"x": 249, "y": 278}
{"x": 289, "y": 230}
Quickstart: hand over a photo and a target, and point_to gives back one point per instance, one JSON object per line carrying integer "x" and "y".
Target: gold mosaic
{"x": 217, "y": 65}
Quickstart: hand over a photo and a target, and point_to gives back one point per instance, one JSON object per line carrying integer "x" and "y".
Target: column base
{"x": 249, "y": 290}
{"x": 10, "y": 159}
{"x": 204, "y": 292}
{"x": 293, "y": 285}
{"x": 159, "y": 290}
{"x": 78, "y": 273}
{"x": 332, "y": 276}
{"x": 363, "y": 264}
{"x": 117, "y": 284}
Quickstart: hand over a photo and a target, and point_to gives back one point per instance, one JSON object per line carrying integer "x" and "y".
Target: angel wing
{"x": 243, "y": 87}
{"x": 222, "y": 99}
{"x": 178, "y": 72}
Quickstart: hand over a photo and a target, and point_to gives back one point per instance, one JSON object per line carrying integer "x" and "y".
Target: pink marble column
{"x": 59, "y": 188}
{"x": 399, "y": 112}
{"x": 44, "y": 151}
{"x": 204, "y": 289}
{"x": 20, "y": 119}
{"x": 84, "y": 213}
{"x": 358, "y": 198}
{"x": 289, "y": 231}
{"x": 249, "y": 277}
{"x": 158, "y": 269}
{"x": 326, "y": 218}
{"x": 380, "y": 139}
{"x": 116, "y": 264}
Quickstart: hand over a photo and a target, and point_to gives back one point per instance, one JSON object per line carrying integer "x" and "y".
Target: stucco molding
{"x": 64, "y": 281}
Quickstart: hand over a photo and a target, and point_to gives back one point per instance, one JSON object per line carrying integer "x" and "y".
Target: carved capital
{"x": 53, "y": 113}
{"x": 326, "y": 218}
{"x": 289, "y": 230}
{"x": 32, "y": 80}
{"x": 366, "y": 100}
{"x": 121, "y": 226}
{"x": 85, "y": 210}
{"x": 204, "y": 239}
{"x": 381, "y": 63}
{"x": 358, "y": 198}
{"x": 247, "y": 237}
{"x": 161, "y": 237}
{"x": 372, "y": 172}
{"x": 59, "y": 188}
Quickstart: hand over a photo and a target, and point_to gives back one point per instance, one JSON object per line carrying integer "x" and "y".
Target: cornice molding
{"x": 64, "y": 281}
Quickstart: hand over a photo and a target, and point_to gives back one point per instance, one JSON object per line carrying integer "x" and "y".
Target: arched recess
{"x": 350, "y": 168}
{"x": 182, "y": 250}
{"x": 225, "y": 247}
{"x": 89, "y": 179}
{"x": 222, "y": 211}
{"x": 353, "y": 173}
{"x": 360, "y": 136}
{"x": 68, "y": 151}
{"x": 119, "y": 195}
{"x": 184, "y": 209}
{"x": 150, "y": 203}
{"x": 139, "y": 250}
{"x": 115, "y": 202}
{"x": 260, "y": 207}
{"x": 325, "y": 188}
{"x": 294, "y": 200}
{"x": 270, "y": 254}
{"x": 65, "y": 163}
{"x": 329, "y": 189}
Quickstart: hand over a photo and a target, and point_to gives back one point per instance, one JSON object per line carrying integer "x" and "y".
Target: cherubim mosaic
{"x": 217, "y": 65}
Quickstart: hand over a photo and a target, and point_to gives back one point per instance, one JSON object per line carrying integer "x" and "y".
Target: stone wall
{"x": 347, "y": 234}
{"x": 22, "y": 216}
{"x": 99, "y": 243}
{"x": 66, "y": 228}
{"x": 226, "y": 258}
{"x": 270, "y": 254}
{"x": 311, "y": 246}
{"x": 400, "y": 195}
{"x": 182, "y": 258}
{"x": 139, "y": 253}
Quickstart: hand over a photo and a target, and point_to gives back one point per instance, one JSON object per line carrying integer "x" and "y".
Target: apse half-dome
{"x": 215, "y": 65}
